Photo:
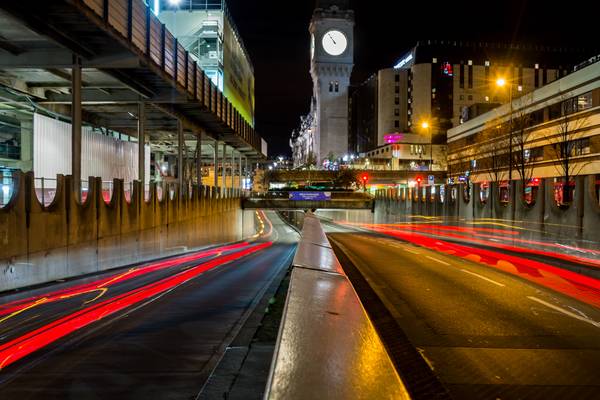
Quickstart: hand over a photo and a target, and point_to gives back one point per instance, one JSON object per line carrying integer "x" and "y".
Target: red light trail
{"x": 30, "y": 342}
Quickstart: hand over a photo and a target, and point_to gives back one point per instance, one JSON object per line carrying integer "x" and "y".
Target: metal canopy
{"x": 37, "y": 45}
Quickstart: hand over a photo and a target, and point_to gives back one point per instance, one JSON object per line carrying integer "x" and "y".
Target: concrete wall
{"x": 580, "y": 220}
{"x": 40, "y": 244}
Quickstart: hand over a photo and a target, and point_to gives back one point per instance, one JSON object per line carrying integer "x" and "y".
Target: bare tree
{"x": 568, "y": 144}
{"x": 522, "y": 159}
{"x": 493, "y": 152}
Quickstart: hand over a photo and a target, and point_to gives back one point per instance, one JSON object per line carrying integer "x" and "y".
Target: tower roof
{"x": 341, "y": 4}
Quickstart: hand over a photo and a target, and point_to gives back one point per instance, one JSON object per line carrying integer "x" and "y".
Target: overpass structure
{"x": 333, "y": 201}
{"x": 374, "y": 176}
{"x": 113, "y": 65}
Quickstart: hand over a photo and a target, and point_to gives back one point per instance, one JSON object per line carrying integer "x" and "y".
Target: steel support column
{"x": 232, "y": 168}
{"x": 199, "y": 160}
{"x": 224, "y": 175}
{"x": 141, "y": 130}
{"x": 180, "y": 143}
{"x": 76, "y": 126}
{"x": 240, "y": 183}
{"x": 215, "y": 164}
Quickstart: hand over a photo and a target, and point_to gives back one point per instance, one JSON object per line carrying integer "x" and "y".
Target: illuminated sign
{"x": 393, "y": 138}
{"x": 447, "y": 69}
{"x": 404, "y": 61}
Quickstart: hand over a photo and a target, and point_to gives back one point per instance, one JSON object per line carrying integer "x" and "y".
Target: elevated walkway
{"x": 126, "y": 57}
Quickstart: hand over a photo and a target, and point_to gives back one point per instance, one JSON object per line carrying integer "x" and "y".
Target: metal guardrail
{"x": 327, "y": 347}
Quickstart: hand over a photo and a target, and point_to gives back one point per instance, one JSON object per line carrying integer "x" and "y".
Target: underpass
{"x": 155, "y": 330}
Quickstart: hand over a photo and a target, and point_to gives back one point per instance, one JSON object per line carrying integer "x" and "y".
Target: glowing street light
{"x": 501, "y": 82}
{"x": 425, "y": 125}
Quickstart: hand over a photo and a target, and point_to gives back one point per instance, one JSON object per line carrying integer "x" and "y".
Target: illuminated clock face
{"x": 334, "y": 42}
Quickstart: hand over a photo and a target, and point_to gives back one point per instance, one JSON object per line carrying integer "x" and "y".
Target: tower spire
{"x": 340, "y": 4}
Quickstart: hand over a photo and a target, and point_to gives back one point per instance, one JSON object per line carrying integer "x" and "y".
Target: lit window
{"x": 434, "y": 61}
{"x": 337, "y": 86}
{"x": 537, "y": 66}
{"x": 487, "y": 63}
{"x": 520, "y": 88}
{"x": 470, "y": 62}
{"x": 487, "y": 98}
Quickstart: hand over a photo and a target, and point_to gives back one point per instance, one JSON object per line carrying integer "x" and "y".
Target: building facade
{"x": 332, "y": 61}
{"x": 207, "y": 31}
{"x": 447, "y": 83}
{"x": 555, "y": 133}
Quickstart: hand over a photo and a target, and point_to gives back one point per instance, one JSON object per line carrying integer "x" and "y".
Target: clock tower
{"x": 332, "y": 60}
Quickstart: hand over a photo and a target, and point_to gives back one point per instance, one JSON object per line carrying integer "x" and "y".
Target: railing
{"x": 134, "y": 21}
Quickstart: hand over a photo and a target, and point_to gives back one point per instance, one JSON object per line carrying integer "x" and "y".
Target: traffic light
{"x": 419, "y": 180}
{"x": 365, "y": 178}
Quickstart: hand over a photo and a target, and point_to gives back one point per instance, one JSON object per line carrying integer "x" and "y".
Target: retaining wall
{"x": 580, "y": 220}
{"x": 67, "y": 238}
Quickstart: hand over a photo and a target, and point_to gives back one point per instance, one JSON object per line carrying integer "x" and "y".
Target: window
{"x": 470, "y": 76}
{"x": 470, "y": 97}
{"x": 396, "y": 124}
{"x": 544, "y": 76}
{"x": 584, "y": 101}
{"x": 487, "y": 63}
{"x": 520, "y": 74}
{"x": 396, "y": 112}
{"x": 397, "y": 77}
{"x": 397, "y": 100}
{"x": 337, "y": 86}
{"x": 536, "y": 78}
{"x": 434, "y": 60}
{"x": 330, "y": 87}
{"x": 581, "y": 147}
{"x": 461, "y": 97}
{"x": 397, "y": 89}
{"x": 461, "y": 76}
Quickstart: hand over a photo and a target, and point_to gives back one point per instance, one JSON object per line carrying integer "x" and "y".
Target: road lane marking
{"x": 410, "y": 251}
{"x": 566, "y": 312}
{"x": 484, "y": 278}
{"x": 437, "y": 260}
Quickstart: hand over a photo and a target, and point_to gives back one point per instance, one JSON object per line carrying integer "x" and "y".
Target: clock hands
{"x": 332, "y": 39}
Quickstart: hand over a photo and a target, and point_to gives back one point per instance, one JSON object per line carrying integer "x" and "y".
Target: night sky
{"x": 275, "y": 33}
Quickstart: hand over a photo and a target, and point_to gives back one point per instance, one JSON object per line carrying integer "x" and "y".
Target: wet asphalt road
{"x": 486, "y": 333}
{"x": 160, "y": 345}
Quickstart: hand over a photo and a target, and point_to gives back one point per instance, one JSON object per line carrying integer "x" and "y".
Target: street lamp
{"x": 425, "y": 125}
{"x": 501, "y": 82}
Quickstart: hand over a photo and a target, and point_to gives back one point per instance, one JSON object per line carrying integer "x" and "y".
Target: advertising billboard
{"x": 238, "y": 73}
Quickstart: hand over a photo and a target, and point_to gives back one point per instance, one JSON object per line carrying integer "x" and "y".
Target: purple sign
{"x": 310, "y": 196}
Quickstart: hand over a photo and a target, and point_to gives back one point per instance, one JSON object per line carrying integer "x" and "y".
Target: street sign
{"x": 311, "y": 196}
{"x": 431, "y": 180}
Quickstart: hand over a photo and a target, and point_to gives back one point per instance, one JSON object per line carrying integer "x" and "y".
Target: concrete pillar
{"x": 215, "y": 164}
{"x": 76, "y": 126}
{"x": 141, "y": 130}
{"x": 180, "y": 144}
